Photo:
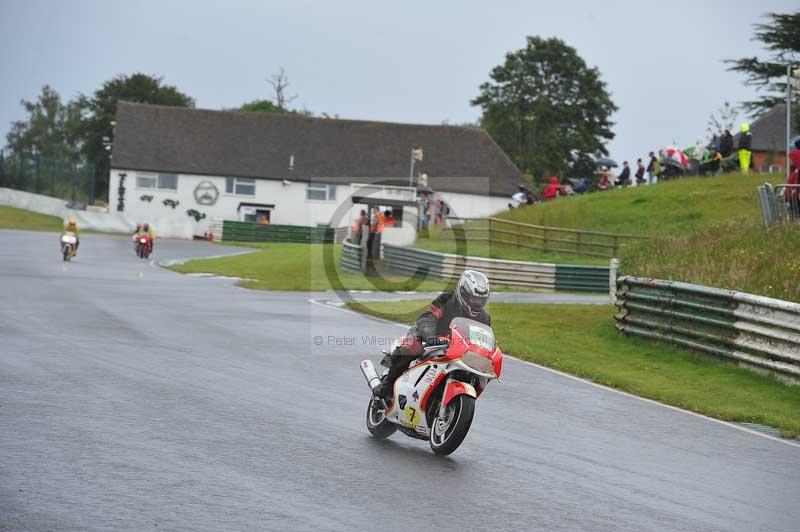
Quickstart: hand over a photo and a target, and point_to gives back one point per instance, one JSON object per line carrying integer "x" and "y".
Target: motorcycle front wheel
{"x": 447, "y": 433}
{"x": 377, "y": 424}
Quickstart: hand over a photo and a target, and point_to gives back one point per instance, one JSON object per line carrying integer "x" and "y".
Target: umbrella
{"x": 676, "y": 154}
{"x": 611, "y": 163}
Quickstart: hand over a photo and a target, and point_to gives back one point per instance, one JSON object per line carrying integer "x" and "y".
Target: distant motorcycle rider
{"x": 468, "y": 300}
{"x": 149, "y": 231}
{"x": 72, "y": 227}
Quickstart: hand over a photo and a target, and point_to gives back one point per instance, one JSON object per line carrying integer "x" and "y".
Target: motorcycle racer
{"x": 468, "y": 300}
{"x": 72, "y": 227}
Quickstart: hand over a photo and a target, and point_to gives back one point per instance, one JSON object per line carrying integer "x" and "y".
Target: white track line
{"x": 791, "y": 443}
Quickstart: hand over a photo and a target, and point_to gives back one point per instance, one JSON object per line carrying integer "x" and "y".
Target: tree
{"x": 280, "y": 82}
{"x": 546, "y": 108}
{"x": 102, "y": 108}
{"x": 51, "y": 129}
{"x": 261, "y": 106}
{"x": 780, "y": 35}
{"x": 723, "y": 118}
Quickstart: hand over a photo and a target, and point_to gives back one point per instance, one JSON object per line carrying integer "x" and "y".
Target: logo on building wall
{"x": 206, "y": 193}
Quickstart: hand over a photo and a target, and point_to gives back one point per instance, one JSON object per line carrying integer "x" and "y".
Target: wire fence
{"x": 72, "y": 180}
{"x": 542, "y": 238}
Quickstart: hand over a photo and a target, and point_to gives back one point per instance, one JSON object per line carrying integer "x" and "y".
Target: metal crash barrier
{"x": 775, "y": 208}
{"x": 753, "y": 331}
{"x": 560, "y": 277}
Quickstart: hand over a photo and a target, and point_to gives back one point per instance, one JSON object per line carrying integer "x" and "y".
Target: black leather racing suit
{"x": 435, "y": 321}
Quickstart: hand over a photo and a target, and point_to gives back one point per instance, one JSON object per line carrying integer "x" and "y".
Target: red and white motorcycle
{"x": 434, "y": 399}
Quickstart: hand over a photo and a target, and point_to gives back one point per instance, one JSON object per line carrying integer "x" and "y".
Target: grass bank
{"x": 710, "y": 232}
{"x": 670, "y": 208}
{"x": 12, "y": 218}
{"x": 591, "y": 347}
{"x": 281, "y": 266}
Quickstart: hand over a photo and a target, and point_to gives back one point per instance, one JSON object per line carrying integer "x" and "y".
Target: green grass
{"x": 282, "y": 266}
{"x": 443, "y": 244}
{"x": 737, "y": 255}
{"x": 672, "y": 208}
{"x": 12, "y": 218}
{"x": 582, "y": 340}
{"x": 709, "y": 232}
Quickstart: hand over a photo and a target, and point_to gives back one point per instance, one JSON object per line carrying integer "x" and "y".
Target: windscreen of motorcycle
{"x": 478, "y": 334}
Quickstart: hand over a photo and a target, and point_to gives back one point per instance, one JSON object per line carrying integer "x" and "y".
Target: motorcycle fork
{"x": 442, "y": 406}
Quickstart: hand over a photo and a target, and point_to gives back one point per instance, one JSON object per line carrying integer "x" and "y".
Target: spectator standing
{"x": 726, "y": 144}
{"x": 375, "y": 232}
{"x": 388, "y": 219}
{"x": 653, "y": 169}
{"x": 698, "y": 155}
{"x": 360, "y": 222}
{"x": 745, "y": 142}
{"x": 625, "y": 175}
{"x": 792, "y": 194}
{"x": 639, "y": 172}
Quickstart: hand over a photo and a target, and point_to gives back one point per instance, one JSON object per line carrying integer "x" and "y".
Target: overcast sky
{"x": 410, "y": 61}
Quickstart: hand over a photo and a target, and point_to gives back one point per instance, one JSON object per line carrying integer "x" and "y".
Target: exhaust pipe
{"x": 373, "y": 379}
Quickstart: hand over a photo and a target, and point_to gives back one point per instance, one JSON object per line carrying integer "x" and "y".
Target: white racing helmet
{"x": 472, "y": 292}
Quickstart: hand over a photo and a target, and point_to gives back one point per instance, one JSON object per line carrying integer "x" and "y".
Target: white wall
{"x": 291, "y": 205}
{"x": 474, "y": 206}
{"x": 113, "y": 222}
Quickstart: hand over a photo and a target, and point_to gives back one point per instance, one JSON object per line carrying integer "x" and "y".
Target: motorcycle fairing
{"x": 456, "y": 388}
{"x": 415, "y": 385}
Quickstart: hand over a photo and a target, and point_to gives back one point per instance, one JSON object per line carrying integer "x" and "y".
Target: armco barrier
{"x": 502, "y": 272}
{"x": 351, "y": 257}
{"x": 754, "y": 331}
{"x": 255, "y": 232}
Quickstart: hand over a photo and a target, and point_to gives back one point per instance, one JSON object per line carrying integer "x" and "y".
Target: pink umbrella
{"x": 677, "y": 155}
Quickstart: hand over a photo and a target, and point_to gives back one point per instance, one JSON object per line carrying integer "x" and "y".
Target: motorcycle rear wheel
{"x": 67, "y": 255}
{"x": 447, "y": 434}
{"x": 377, "y": 424}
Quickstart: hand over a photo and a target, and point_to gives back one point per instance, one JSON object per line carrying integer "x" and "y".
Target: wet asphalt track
{"x": 134, "y": 398}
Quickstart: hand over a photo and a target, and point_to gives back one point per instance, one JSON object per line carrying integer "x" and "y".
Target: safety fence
{"x": 351, "y": 257}
{"x": 57, "y": 177}
{"x": 779, "y": 203}
{"x": 502, "y": 272}
{"x": 754, "y": 331}
{"x": 256, "y": 232}
{"x": 540, "y": 237}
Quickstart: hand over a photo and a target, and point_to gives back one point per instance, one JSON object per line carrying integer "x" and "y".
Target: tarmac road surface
{"x": 135, "y": 398}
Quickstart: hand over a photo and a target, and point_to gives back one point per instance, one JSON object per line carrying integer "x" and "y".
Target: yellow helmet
{"x": 72, "y": 220}
{"x": 745, "y": 127}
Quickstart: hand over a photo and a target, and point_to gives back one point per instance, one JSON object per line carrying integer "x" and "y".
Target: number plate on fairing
{"x": 412, "y": 387}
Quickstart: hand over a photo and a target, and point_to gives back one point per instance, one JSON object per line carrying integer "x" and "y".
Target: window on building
{"x": 160, "y": 181}
{"x": 168, "y": 181}
{"x": 320, "y": 192}
{"x": 146, "y": 181}
{"x": 240, "y": 186}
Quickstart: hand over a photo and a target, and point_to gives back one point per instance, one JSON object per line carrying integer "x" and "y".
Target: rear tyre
{"x": 67, "y": 254}
{"x": 377, "y": 424}
{"x": 448, "y": 433}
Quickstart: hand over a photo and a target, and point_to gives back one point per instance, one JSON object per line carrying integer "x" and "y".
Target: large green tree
{"x": 101, "y": 108}
{"x": 50, "y": 130}
{"x": 780, "y": 35}
{"x": 546, "y": 108}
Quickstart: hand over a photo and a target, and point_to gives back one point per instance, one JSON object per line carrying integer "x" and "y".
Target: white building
{"x": 180, "y": 169}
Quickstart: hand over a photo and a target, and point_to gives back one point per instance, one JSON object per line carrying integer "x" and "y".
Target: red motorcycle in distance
{"x": 143, "y": 245}
{"x": 435, "y": 398}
